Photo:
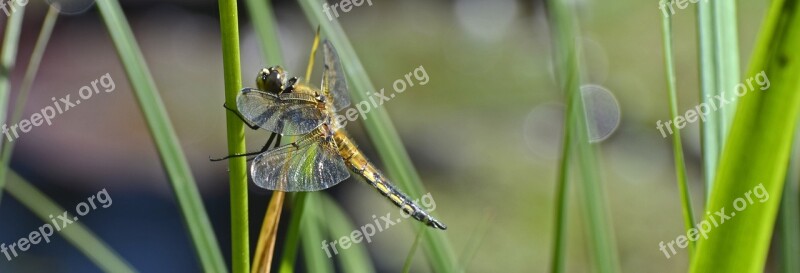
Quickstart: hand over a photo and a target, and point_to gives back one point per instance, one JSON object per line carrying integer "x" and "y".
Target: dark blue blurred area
{"x": 145, "y": 229}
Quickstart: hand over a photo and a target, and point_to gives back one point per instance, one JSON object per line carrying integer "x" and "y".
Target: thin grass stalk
{"x": 237, "y": 167}
{"x": 316, "y": 259}
{"x": 83, "y": 239}
{"x": 600, "y": 230}
{"x": 709, "y": 137}
{"x": 77, "y": 234}
{"x": 291, "y": 243}
{"x": 601, "y": 237}
{"x": 8, "y": 57}
{"x": 265, "y": 248}
{"x": 559, "y": 250}
{"x": 27, "y": 82}
{"x": 719, "y": 68}
{"x": 413, "y": 250}
{"x": 381, "y": 131}
{"x": 677, "y": 147}
{"x": 266, "y": 28}
{"x": 474, "y": 243}
{"x": 356, "y": 259}
{"x": 789, "y": 214}
{"x": 726, "y": 50}
{"x": 760, "y": 136}
{"x": 163, "y": 133}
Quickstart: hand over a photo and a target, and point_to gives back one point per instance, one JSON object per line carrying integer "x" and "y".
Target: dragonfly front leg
{"x": 246, "y": 122}
{"x": 263, "y": 149}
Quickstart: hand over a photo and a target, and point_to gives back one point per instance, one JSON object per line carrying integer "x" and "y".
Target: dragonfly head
{"x": 271, "y": 79}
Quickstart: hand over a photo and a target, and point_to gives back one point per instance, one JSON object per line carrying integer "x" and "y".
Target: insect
{"x": 322, "y": 154}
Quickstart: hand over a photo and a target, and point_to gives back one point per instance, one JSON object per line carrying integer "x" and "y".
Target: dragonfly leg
{"x": 290, "y": 85}
{"x": 263, "y": 149}
{"x": 277, "y": 143}
{"x": 246, "y": 122}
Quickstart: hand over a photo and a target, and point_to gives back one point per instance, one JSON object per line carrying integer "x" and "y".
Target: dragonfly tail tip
{"x": 438, "y": 225}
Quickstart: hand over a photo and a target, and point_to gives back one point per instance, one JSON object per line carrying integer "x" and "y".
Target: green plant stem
{"x": 8, "y": 57}
{"x": 293, "y": 233}
{"x": 237, "y": 167}
{"x": 356, "y": 259}
{"x": 789, "y": 225}
{"x": 600, "y": 232}
{"x": 726, "y": 51}
{"x": 601, "y": 237}
{"x": 381, "y": 131}
{"x": 477, "y": 237}
{"x": 710, "y": 138}
{"x": 410, "y": 257}
{"x": 266, "y": 29}
{"x": 761, "y": 135}
{"x": 719, "y": 74}
{"x": 77, "y": 234}
{"x": 316, "y": 259}
{"x": 677, "y": 146}
{"x": 27, "y": 83}
{"x": 558, "y": 255}
{"x": 161, "y": 129}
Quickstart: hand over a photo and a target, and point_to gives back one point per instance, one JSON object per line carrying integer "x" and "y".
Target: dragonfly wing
{"x": 288, "y": 113}
{"x": 333, "y": 78}
{"x": 310, "y": 164}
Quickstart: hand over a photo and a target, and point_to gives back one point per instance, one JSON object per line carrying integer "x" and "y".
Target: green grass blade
{"x": 266, "y": 28}
{"x": 726, "y": 49}
{"x": 760, "y": 136}
{"x": 559, "y": 251}
{"x": 789, "y": 219}
{"x": 8, "y": 57}
{"x": 316, "y": 259}
{"x": 77, "y": 234}
{"x": 677, "y": 147}
{"x": 475, "y": 241}
{"x": 172, "y": 157}
{"x": 413, "y": 250}
{"x": 381, "y": 131}
{"x": 240, "y": 240}
{"x": 600, "y": 233}
{"x": 293, "y": 233}
{"x": 719, "y": 74}
{"x": 710, "y": 137}
{"x": 356, "y": 258}
{"x": 27, "y": 83}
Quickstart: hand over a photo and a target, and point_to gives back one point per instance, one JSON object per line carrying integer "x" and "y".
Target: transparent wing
{"x": 310, "y": 164}
{"x": 287, "y": 113}
{"x": 333, "y": 81}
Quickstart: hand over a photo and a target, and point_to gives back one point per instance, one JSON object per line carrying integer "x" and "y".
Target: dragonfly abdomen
{"x": 377, "y": 180}
{"x": 360, "y": 165}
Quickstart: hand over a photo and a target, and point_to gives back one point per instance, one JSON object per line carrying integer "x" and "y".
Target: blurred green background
{"x": 484, "y": 132}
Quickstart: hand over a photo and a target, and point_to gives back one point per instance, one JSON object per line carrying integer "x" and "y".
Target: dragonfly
{"x": 323, "y": 153}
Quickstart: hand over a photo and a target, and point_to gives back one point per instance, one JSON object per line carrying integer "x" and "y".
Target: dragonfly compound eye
{"x": 271, "y": 79}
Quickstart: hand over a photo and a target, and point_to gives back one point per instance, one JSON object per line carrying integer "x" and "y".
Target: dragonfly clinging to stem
{"x": 322, "y": 154}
